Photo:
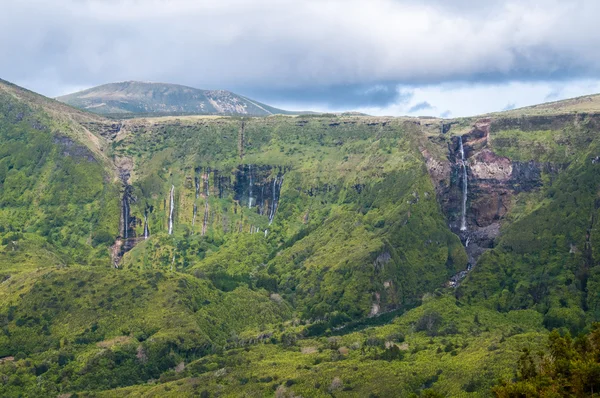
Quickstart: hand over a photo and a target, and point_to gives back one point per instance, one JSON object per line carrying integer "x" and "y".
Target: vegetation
{"x": 570, "y": 368}
{"x": 309, "y": 257}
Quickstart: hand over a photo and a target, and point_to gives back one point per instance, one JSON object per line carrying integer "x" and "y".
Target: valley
{"x": 290, "y": 255}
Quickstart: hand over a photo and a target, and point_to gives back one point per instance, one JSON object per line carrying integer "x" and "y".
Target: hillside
{"x": 315, "y": 255}
{"x": 583, "y": 104}
{"x": 159, "y": 98}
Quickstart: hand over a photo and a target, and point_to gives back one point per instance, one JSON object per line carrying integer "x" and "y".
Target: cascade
{"x": 197, "y": 183}
{"x": 206, "y": 181}
{"x": 463, "y": 220}
{"x": 194, "y": 214}
{"x": 277, "y": 183}
{"x": 126, "y": 213}
{"x": 146, "y": 229}
{"x": 205, "y": 221}
{"x": 250, "y": 186}
{"x": 171, "y": 210}
{"x": 261, "y": 200}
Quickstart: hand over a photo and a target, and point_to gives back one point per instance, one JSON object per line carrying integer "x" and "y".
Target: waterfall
{"x": 205, "y": 221}
{"x": 171, "y": 210}
{"x": 463, "y": 220}
{"x": 197, "y": 183}
{"x": 277, "y": 183}
{"x": 146, "y": 229}
{"x": 250, "y": 186}
{"x": 126, "y": 213}
{"x": 194, "y": 214}
{"x": 266, "y": 231}
{"x": 207, "y": 180}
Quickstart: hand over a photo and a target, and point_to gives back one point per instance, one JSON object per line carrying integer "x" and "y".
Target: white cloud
{"x": 475, "y": 99}
{"x": 283, "y": 45}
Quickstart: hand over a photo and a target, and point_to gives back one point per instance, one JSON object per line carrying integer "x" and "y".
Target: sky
{"x": 446, "y": 58}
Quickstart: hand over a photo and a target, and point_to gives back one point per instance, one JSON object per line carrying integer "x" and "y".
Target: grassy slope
{"x": 327, "y": 242}
{"x": 230, "y": 314}
{"x": 547, "y": 256}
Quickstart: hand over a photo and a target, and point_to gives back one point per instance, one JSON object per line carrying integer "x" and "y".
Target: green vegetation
{"x": 309, "y": 257}
{"x": 570, "y": 368}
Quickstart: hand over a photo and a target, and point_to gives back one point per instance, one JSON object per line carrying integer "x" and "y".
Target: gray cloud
{"x": 334, "y": 96}
{"x": 331, "y": 52}
{"x": 421, "y": 106}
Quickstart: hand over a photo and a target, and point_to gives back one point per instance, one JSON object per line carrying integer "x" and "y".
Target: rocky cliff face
{"x": 492, "y": 182}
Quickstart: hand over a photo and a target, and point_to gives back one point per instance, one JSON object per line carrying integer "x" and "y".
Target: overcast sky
{"x": 395, "y": 57}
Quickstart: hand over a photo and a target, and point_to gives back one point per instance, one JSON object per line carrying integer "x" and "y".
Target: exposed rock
{"x": 180, "y": 367}
{"x": 487, "y": 165}
{"x": 492, "y": 182}
{"x": 141, "y": 354}
{"x": 381, "y": 260}
{"x": 336, "y": 384}
{"x": 70, "y": 148}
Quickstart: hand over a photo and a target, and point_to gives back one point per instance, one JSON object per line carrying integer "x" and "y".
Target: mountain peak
{"x": 133, "y": 97}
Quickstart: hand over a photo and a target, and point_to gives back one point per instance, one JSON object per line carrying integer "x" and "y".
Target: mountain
{"x": 313, "y": 255}
{"x": 159, "y": 98}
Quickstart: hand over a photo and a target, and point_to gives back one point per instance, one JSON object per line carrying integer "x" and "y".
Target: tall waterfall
{"x": 126, "y": 211}
{"x": 171, "y": 210}
{"x": 250, "y": 186}
{"x": 277, "y": 183}
{"x": 463, "y": 220}
{"x": 194, "y": 214}
{"x": 206, "y": 181}
{"x": 205, "y": 220}
{"x": 197, "y": 183}
{"x": 146, "y": 229}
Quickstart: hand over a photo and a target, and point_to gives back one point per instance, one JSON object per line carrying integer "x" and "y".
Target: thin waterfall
{"x": 171, "y": 210}
{"x": 207, "y": 181}
{"x": 250, "y": 186}
{"x": 194, "y": 214}
{"x": 146, "y": 228}
{"x": 463, "y": 221}
{"x": 205, "y": 221}
{"x": 277, "y": 183}
{"x": 197, "y": 183}
{"x": 126, "y": 211}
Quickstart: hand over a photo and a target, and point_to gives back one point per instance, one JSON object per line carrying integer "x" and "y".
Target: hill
{"x": 315, "y": 255}
{"x": 159, "y": 98}
{"x": 583, "y": 104}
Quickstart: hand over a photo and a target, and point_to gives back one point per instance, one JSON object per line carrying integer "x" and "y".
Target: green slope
{"x": 309, "y": 255}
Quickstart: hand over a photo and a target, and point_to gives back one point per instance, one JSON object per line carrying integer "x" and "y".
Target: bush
{"x": 429, "y": 323}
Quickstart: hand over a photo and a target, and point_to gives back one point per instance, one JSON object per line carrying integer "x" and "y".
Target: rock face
{"x": 492, "y": 182}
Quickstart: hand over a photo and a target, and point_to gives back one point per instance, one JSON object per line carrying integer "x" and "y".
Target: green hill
{"x": 313, "y": 255}
{"x": 159, "y": 98}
